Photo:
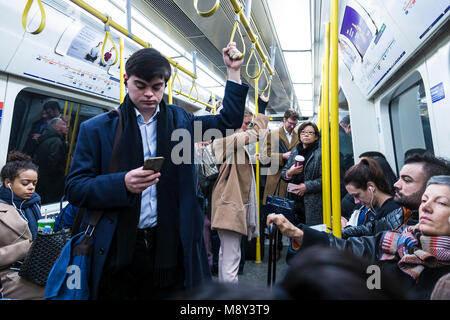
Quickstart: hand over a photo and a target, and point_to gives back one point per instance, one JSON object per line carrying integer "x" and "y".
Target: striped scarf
{"x": 415, "y": 251}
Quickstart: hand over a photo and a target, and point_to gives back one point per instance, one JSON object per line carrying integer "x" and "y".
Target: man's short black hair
{"x": 433, "y": 166}
{"x": 52, "y": 104}
{"x": 147, "y": 64}
{"x": 345, "y": 120}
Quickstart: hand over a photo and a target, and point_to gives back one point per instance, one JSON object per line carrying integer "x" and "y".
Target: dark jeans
{"x": 136, "y": 282}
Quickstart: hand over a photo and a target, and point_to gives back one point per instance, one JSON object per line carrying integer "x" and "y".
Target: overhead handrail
{"x": 236, "y": 27}
{"x": 208, "y": 13}
{"x": 260, "y": 70}
{"x": 124, "y": 31}
{"x": 25, "y": 16}
{"x": 238, "y": 10}
{"x": 108, "y": 36}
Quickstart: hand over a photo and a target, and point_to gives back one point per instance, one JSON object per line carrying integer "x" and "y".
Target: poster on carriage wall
{"x": 356, "y": 30}
{"x": 416, "y": 18}
{"x": 376, "y": 57}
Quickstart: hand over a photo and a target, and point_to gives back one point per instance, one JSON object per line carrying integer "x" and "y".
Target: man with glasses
{"x": 275, "y": 153}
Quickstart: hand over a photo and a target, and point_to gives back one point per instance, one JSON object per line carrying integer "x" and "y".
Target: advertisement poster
{"x": 356, "y": 30}
{"x": 87, "y": 46}
{"x": 416, "y": 18}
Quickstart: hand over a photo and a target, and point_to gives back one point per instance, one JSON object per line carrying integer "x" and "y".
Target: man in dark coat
{"x": 148, "y": 243}
{"x": 51, "y": 157}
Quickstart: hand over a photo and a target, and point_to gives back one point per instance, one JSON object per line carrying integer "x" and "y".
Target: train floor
{"x": 256, "y": 273}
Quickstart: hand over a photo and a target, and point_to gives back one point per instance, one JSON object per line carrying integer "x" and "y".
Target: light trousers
{"x": 229, "y": 255}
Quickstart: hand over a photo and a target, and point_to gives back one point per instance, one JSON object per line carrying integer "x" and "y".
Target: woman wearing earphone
{"x": 365, "y": 181}
{"x": 19, "y": 213}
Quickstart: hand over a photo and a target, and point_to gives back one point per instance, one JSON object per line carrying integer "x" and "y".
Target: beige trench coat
{"x": 230, "y": 196}
{"x": 15, "y": 241}
{"x": 271, "y": 152}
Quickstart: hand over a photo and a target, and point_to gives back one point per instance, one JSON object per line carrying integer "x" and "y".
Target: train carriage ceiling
{"x": 296, "y": 82}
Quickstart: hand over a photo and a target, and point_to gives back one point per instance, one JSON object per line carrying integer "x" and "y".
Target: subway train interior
{"x": 391, "y": 76}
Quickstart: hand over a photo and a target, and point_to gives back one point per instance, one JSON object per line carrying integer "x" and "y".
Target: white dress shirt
{"x": 148, "y": 217}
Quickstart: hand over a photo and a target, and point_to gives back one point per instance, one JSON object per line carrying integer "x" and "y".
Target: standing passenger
{"x": 234, "y": 206}
{"x": 308, "y": 177}
{"x": 149, "y": 241}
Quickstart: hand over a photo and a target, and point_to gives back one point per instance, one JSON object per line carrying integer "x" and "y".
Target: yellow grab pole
{"x": 122, "y": 71}
{"x": 326, "y": 183}
{"x": 72, "y": 139}
{"x": 124, "y": 31}
{"x": 258, "y": 239}
{"x": 171, "y": 80}
{"x": 334, "y": 109}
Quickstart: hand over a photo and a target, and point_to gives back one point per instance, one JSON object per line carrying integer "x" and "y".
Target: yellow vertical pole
{"x": 122, "y": 72}
{"x": 326, "y": 183}
{"x": 72, "y": 139}
{"x": 171, "y": 80}
{"x": 258, "y": 239}
{"x": 214, "y": 103}
{"x": 334, "y": 109}
{"x": 65, "y": 109}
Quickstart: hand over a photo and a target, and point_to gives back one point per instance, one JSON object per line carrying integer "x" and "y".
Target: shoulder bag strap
{"x": 113, "y": 165}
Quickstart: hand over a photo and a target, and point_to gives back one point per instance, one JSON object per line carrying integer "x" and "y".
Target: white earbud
{"x": 9, "y": 185}
{"x": 371, "y": 189}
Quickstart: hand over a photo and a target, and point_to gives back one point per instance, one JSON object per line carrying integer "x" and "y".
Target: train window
{"x": 410, "y": 122}
{"x": 46, "y": 128}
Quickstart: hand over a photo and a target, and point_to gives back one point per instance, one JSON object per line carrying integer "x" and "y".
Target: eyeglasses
{"x": 293, "y": 124}
{"x": 309, "y": 133}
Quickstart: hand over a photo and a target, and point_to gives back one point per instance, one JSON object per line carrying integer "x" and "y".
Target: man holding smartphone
{"x": 148, "y": 242}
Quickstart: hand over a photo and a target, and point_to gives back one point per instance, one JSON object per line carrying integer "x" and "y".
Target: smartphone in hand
{"x": 154, "y": 163}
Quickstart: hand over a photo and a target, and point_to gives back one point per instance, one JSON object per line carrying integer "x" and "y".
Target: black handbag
{"x": 43, "y": 253}
{"x": 276, "y": 204}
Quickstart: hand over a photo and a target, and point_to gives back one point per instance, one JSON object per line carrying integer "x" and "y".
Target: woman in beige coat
{"x": 234, "y": 207}
{"x": 19, "y": 210}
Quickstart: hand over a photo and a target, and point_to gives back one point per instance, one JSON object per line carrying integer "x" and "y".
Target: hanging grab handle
{"x": 196, "y": 90}
{"x": 260, "y": 70}
{"x": 176, "y": 76}
{"x": 108, "y": 35}
{"x": 209, "y": 13}
{"x": 25, "y": 16}
{"x": 236, "y": 27}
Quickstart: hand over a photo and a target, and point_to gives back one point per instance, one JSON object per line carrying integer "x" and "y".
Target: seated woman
{"x": 419, "y": 255}
{"x": 19, "y": 213}
{"x": 307, "y": 178}
{"x": 366, "y": 183}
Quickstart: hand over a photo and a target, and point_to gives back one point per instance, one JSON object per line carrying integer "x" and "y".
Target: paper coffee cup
{"x": 299, "y": 160}
{"x": 45, "y": 222}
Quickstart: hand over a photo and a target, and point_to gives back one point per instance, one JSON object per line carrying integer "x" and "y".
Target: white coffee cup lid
{"x": 299, "y": 158}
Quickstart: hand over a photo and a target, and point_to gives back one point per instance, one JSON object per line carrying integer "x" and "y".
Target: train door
{"x": 46, "y": 127}
{"x": 410, "y": 121}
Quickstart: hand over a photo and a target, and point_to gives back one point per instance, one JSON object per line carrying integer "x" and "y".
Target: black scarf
{"x": 130, "y": 156}
{"x": 306, "y": 153}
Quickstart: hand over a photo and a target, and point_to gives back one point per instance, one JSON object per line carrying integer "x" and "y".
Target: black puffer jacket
{"x": 390, "y": 222}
